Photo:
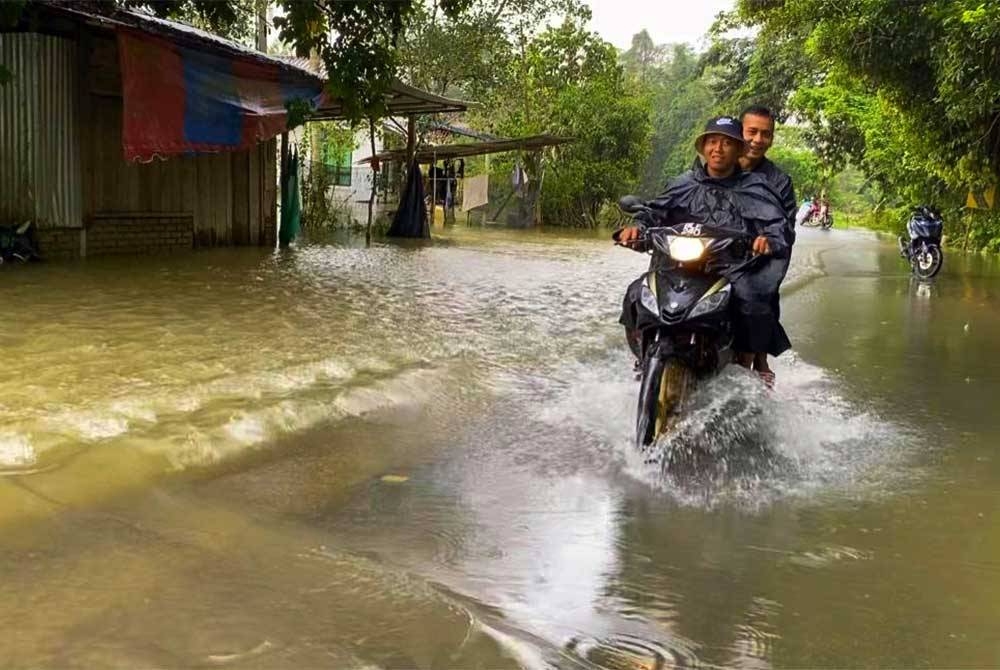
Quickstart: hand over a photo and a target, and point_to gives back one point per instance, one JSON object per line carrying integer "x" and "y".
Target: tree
{"x": 908, "y": 90}
{"x": 568, "y": 81}
{"x": 469, "y": 54}
{"x": 671, "y": 77}
{"x": 791, "y": 153}
{"x": 643, "y": 56}
{"x": 464, "y": 56}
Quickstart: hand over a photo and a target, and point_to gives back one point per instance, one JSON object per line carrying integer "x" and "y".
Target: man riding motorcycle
{"x": 719, "y": 193}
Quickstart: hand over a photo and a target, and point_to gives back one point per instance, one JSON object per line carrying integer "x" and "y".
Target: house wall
{"x": 227, "y": 198}
{"x": 355, "y": 197}
{"x": 361, "y": 185}
{"x": 39, "y": 151}
{"x": 62, "y": 164}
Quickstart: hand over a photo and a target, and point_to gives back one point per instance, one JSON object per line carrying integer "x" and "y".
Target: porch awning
{"x": 430, "y": 153}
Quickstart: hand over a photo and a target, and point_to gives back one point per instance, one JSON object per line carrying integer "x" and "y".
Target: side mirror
{"x": 631, "y": 204}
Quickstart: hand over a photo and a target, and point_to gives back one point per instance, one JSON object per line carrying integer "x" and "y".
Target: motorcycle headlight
{"x": 648, "y": 300}
{"x": 686, "y": 248}
{"x": 712, "y": 303}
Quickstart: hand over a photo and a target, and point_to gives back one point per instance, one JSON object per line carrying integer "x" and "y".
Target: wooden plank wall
{"x": 232, "y": 196}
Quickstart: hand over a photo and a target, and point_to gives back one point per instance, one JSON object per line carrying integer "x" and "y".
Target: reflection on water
{"x": 421, "y": 457}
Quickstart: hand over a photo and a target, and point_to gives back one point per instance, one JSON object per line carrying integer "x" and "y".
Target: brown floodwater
{"x": 420, "y": 457}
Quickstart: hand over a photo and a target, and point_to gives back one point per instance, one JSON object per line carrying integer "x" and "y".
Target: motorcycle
{"x": 17, "y": 243}
{"x": 683, "y": 325}
{"x": 923, "y": 248}
{"x": 820, "y": 217}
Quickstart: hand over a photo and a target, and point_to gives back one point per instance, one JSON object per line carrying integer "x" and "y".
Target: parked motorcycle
{"x": 923, "y": 248}
{"x": 683, "y": 330}
{"x": 17, "y": 243}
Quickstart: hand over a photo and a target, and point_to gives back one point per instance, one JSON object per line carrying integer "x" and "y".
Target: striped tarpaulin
{"x": 179, "y": 100}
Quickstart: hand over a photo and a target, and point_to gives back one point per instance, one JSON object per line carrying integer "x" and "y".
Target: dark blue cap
{"x": 721, "y": 125}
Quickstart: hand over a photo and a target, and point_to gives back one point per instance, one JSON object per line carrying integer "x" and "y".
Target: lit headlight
{"x": 686, "y": 248}
{"x": 648, "y": 300}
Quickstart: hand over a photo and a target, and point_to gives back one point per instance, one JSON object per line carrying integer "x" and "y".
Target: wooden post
{"x": 411, "y": 139}
{"x": 449, "y": 197}
{"x": 262, "y": 156}
{"x": 434, "y": 190}
{"x": 283, "y": 176}
{"x": 371, "y": 196}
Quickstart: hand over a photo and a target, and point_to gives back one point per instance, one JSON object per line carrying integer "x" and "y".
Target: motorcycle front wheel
{"x": 665, "y": 387}
{"x": 927, "y": 262}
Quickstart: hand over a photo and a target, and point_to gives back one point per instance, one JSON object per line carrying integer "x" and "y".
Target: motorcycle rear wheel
{"x": 664, "y": 390}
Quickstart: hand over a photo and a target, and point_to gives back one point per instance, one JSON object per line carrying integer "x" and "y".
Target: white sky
{"x": 665, "y": 20}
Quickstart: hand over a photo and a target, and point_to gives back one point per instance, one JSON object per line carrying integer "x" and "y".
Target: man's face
{"x": 758, "y": 131}
{"x": 721, "y": 153}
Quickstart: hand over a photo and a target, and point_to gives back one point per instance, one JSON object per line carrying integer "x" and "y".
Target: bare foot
{"x": 767, "y": 377}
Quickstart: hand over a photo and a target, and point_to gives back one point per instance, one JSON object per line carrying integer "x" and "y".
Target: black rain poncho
{"x": 777, "y": 268}
{"x": 744, "y": 202}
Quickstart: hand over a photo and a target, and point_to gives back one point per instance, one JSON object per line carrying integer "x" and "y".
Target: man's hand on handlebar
{"x": 761, "y": 246}
{"x": 629, "y": 235}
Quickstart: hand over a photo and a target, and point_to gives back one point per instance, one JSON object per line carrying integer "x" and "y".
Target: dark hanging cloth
{"x": 291, "y": 207}
{"x": 411, "y": 217}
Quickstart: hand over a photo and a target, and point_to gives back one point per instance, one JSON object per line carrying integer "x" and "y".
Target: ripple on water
{"x": 627, "y": 652}
{"x": 201, "y": 425}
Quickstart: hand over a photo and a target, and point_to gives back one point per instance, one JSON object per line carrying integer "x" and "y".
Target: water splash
{"x": 16, "y": 451}
{"x": 797, "y": 441}
{"x": 738, "y": 443}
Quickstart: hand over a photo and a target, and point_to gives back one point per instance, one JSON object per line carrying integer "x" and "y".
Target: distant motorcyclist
{"x": 719, "y": 193}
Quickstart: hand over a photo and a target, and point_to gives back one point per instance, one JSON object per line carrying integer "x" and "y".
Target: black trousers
{"x": 757, "y": 309}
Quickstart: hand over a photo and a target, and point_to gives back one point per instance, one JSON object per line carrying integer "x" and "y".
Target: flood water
{"x": 420, "y": 457}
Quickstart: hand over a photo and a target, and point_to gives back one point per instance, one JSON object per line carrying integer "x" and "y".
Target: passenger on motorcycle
{"x": 721, "y": 194}
{"x": 758, "y": 132}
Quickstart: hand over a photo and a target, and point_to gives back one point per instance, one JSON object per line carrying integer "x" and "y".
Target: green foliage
{"x": 10, "y": 13}
{"x": 644, "y": 57}
{"x": 567, "y": 81}
{"x": 909, "y": 92}
{"x": 612, "y": 132}
{"x": 357, "y": 40}
{"x": 888, "y": 83}
{"x": 681, "y": 100}
{"x": 803, "y": 167}
{"x": 682, "y": 118}
{"x": 470, "y": 54}
{"x": 234, "y": 19}
{"x": 323, "y": 141}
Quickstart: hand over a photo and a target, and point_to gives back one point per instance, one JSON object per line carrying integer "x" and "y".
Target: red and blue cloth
{"x": 182, "y": 101}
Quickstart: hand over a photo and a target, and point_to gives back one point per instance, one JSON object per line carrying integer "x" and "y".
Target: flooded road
{"x": 420, "y": 458}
